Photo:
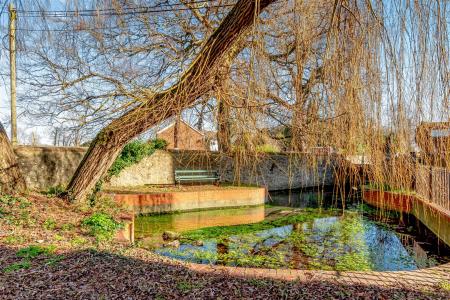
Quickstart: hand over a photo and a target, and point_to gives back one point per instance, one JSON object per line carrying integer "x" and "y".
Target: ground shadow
{"x": 90, "y": 274}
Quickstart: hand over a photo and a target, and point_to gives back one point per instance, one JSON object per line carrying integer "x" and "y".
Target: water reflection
{"x": 355, "y": 239}
{"x": 151, "y": 228}
{"x": 349, "y": 242}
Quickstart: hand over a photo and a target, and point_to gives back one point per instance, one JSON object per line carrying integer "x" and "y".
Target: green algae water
{"x": 298, "y": 231}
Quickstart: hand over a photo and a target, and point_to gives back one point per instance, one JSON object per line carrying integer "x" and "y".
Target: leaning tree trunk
{"x": 195, "y": 82}
{"x": 11, "y": 179}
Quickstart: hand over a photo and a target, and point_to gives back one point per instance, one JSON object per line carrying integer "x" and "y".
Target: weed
{"x": 33, "y": 251}
{"x": 67, "y": 227}
{"x": 58, "y": 237}
{"x": 24, "y": 264}
{"x": 102, "y": 226}
{"x": 8, "y": 203}
{"x": 49, "y": 224}
{"x": 14, "y": 240}
{"x": 78, "y": 241}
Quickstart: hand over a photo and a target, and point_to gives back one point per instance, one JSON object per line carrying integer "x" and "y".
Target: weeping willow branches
{"x": 355, "y": 76}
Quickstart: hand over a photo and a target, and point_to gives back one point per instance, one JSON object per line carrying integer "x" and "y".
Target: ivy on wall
{"x": 133, "y": 153}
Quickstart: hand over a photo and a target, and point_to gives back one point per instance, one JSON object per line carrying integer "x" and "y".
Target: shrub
{"x": 159, "y": 143}
{"x": 102, "y": 226}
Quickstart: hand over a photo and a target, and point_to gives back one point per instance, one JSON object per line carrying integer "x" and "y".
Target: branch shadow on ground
{"x": 91, "y": 274}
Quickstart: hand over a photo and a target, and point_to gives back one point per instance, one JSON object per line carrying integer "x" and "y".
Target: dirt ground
{"x": 81, "y": 268}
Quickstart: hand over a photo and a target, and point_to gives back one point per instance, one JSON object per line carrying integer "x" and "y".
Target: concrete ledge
{"x": 416, "y": 279}
{"x": 434, "y": 217}
{"x": 145, "y": 203}
{"x": 421, "y": 278}
{"x": 126, "y": 234}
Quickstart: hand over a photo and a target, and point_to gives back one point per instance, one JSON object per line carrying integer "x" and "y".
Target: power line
{"x": 85, "y": 28}
{"x": 125, "y": 8}
{"x": 109, "y": 12}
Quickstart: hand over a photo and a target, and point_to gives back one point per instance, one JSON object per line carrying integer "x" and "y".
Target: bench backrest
{"x": 196, "y": 175}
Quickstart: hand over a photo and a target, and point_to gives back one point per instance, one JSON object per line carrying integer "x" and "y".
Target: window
{"x": 440, "y": 132}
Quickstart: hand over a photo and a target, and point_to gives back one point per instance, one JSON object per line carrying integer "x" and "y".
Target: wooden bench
{"x": 196, "y": 176}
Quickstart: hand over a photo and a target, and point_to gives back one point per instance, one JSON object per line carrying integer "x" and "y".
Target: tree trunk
{"x": 223, "y": 126}
{"x": 11, "y": 179}
{"x": 157, "y": 107}
{"x": 176, "y": 131}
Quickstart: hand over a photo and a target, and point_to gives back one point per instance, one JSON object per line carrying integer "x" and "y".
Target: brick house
{"x": 180, "y": 135}
{"x": 433, "y": 137}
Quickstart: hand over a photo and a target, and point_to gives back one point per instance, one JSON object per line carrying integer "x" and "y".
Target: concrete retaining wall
{"x": 277, "y": 172}
{"x": 192, "y": 200}
{"x": 434, "y": 217}
{"x": 49, "y": 166}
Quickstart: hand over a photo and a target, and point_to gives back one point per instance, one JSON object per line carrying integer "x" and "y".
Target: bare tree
{"x": 195, "y": 82}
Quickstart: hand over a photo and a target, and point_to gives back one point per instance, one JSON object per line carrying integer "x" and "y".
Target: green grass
{"x": 31, "y": 252}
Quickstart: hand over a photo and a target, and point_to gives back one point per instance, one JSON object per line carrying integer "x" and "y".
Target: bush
{"x": 134, "y": 152}
{"x": 102, "y": 226}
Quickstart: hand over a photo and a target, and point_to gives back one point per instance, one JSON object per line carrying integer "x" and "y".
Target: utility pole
{"x": 12, "y": 64}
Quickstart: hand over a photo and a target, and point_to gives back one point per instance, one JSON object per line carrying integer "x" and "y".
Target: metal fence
{"x": 433, "y": 184}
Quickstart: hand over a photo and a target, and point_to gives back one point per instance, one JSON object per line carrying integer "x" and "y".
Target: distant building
{"x": 433, "y": 137}
{"x": 182, "y": 136}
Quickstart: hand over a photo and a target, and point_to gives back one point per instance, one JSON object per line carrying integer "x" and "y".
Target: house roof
{"x": 173, "y": 124}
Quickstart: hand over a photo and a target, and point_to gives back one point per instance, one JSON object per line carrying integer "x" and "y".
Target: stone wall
{"x": 46, "y": 166}
{"x": 277, "y": 172}
{"x": 154, "y": 169}
{"x": 49, "y": 166}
